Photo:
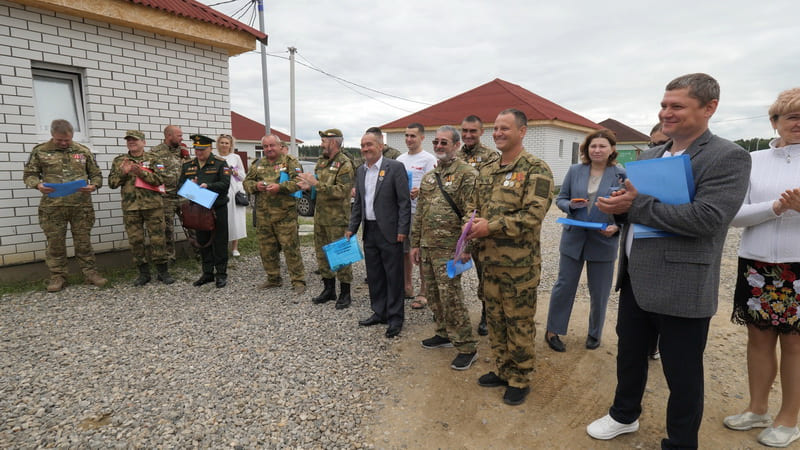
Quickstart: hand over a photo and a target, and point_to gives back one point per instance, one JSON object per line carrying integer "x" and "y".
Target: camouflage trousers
{"x": 277, "y": 236}
{"x": 54, "y": 221}
{"x": 149, "y": 222}
{"x": 172, "y": 207}
{"x": 510, "y": 306}
{"x": 324, "y": 235}
{"x": 446, "y": 299}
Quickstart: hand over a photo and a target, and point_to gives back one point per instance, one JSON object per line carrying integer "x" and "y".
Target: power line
{"x": 222, "y": 3}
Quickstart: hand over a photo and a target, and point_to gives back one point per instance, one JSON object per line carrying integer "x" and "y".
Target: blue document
{"x": 202, "y": 196}
{"x": 297, "y": 194}
{"x": 64, "y": 189}
{"x": 582, "y": 224}
{"x": 343, "y": 252}
{"x": 410, "y": 180}
{"x": 457, "y": 267}
{"x": 669, "y": 180}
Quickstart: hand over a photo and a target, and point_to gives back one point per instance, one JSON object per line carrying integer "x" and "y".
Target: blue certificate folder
{"x": 668, "y": 179}
{"x": 297, "y": 194}
{"x": 457, "y": 267}
{"x": 195, "y": 193}
{"x": 342, "y": 253}
{"x": 64, "y": 189}
{"x": 582, "y": 224}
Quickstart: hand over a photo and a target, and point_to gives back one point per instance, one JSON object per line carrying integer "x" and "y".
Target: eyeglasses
{"x": 656, "y": 144}
{"x": 441, "y": 141}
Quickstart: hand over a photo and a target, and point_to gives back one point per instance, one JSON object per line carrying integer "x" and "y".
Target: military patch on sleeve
{"x": 542, "y": 188}
{"x": 226, "y": 170}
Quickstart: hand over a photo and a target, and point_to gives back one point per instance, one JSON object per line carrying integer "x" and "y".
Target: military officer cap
{"x": 136, "y": 134}
{"x": 333, "y": 132}
{"x": 200, "y": 141}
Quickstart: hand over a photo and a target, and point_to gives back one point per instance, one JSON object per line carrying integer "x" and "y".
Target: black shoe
{"x": 370, "y": 321}
{"x": 555, "y": 343}
{"x": 592, "y": 342}
{"x": 393, "y": 330}
{"x": 221, "y": 282}
{"x": 437, "y": 342}
{"x": 482, "y": 329}
{"x": 344, "y": 299}
{"x": 491, "y": 380}
{"x": 328, "y": 291}
{"x": 515, "y": 395}
{"x": 464, "y": 361}
{"x": 163, "y": 274}
{"x": 205, "y": 278}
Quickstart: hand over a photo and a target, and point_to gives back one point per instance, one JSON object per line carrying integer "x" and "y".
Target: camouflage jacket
{"x": 137, "y": 198}
{"x": 391, "y": 152}
{"x": 477, "y": 157}
{"x": 282, "y": 206}
{"x": 335, "y": 178}
{"x": 173, "y": 159}
{"x": 514, "y": 199}
{"x": 435, "y": 223}
{"x": 49, "y": 164}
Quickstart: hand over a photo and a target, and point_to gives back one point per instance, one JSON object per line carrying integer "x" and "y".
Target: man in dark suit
{"x": 669, "y": 285}
{"x": 383, "y": 205}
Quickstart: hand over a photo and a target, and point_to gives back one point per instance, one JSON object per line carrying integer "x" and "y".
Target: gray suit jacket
{"x": 679, "y": 276}
{"x": 392, "y": 202}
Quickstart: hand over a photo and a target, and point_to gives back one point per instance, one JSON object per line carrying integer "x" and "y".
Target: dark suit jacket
{"x": 392, "y": 202}
{"x": 577, "y": 242}
{"x": 679, "y": 276}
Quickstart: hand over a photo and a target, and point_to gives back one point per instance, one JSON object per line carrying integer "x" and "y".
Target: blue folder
{"x": 457, "y": 267}
{"x": 410, "y": 179}
{"x": 343, "y": 252}
{"x": 64, "y": 189}
{"x": 296, "y": 194}
{"x": 582, "y": 223}
{"x": 668, "y": 179}
{"x": 195, "y": 193}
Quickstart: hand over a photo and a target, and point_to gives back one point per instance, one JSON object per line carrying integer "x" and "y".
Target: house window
{"x": 58, "y": 94}
{"x": 560, "y": 148}
{"x": 576, "y": 151}
{"x": 259, "y": 151}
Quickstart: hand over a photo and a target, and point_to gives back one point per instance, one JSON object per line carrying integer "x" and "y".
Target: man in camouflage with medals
{"x": 512, "y": 196}
{"x": 333, "y": 180}
{"x": 173, "y": 154}
{"x": 138, "y": 173}
{"x": 61, "y": 160}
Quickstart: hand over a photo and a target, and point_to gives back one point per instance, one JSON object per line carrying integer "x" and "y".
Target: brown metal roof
{"x": 246, "y": 129}
{"x": 195, "y": 10}
{"x": 624, "y": 133}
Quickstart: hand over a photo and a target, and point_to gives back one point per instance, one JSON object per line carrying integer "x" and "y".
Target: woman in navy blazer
{"x": 596, "y": 176}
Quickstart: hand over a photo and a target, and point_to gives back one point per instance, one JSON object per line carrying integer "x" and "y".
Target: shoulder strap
{"x": 447, "y": 197}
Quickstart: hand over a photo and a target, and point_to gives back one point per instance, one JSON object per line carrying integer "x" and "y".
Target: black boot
{"x": 328, "y": 293}
{"x": 482, "y": 330}
{"x": 163, "y": 275}
{"x": 344, "y": 299}
{"x": 144, "y": 275}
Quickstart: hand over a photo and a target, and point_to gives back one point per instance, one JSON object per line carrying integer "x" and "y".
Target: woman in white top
{"x": 767, "y": 296}
{"x": 237, "y": 226}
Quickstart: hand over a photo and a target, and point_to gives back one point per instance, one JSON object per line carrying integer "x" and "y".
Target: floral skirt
{"x": 767, "y": 295}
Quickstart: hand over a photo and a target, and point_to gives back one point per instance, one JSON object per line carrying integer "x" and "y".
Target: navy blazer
{"x": 577, "y": 242}
{"x": 392, "y": 203}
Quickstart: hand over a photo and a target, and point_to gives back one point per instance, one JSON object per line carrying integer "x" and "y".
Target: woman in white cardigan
{"x": 237, "y": 215}
{"x": 767, "y": 296}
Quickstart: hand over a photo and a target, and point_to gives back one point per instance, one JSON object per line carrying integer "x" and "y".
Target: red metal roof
{"x": 486, "y": 101}
{"x": 195, "y": 10}
{"x": 624, "y": 133}
{"x": 246, "y": 129}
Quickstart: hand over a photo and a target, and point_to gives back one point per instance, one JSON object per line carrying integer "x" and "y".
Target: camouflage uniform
{"x": 435, "y": 232}
{"x": 332, "y": 212}
{"x": 390, "y": 152}
{"x": 141, "y": 208}
{"x": 277, "y": 218}
{"x": 173, "y": 159}
{"x": 514, "y": 198}
{"x": 50, "y": 164}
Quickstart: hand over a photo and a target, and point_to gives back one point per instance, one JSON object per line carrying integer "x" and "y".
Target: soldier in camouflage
{"x": 277, "y": 213}
{"x": 138, "y": 173}
{"x": 476, "y": 155}
{"x": 60, "y": 160}
{"x": 333, "y": 179}
{"x": 173, "y": 154}
{"x": 512, "y": 196}
{"x": 434, "y": 235}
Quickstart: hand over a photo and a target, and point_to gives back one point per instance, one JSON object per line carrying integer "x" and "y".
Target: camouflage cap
{"x": 136, "y": 134}
{"x": 333, "y": 132}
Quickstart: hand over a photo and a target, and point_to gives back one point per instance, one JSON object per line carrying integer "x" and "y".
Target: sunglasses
{"x": 441, "y": 141}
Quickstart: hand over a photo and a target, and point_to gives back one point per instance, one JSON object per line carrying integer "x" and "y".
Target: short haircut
{"x": 452, "y": 130}
{"x": 61, "y": 126}
{"x": 375, "y": 131}
{"x": 656, "y": 127}
{"x": 418, "y": 126}
{"x": 519, "y": 117}
{"x": 338, "y": 140}
{"x": 702, "y": 87}
{"x": 604, "y": 133}
{"x": 473, "y": 118}
{"x": 169, "y": 129}
{"x": 787, "y": 102}
{"x": 277, "y": 139}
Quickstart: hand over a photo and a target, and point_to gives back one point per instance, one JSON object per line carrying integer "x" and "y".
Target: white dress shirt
{"x": 370, "y": 183}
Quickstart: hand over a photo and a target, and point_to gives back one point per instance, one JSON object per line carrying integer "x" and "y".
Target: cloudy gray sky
{"x": 598, "y": 59}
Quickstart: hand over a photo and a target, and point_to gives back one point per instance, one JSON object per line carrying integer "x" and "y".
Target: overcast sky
{"x": 597, "y": 59}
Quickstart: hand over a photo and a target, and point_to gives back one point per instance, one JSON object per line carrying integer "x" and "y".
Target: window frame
{"x": 77, "y": 78}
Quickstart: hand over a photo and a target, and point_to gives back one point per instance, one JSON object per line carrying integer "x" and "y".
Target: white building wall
{"x": 131, "y": 80}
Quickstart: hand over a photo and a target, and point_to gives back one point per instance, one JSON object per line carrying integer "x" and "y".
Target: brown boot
{"x": 94, "y": 278}
{"x": 56, "y": 284}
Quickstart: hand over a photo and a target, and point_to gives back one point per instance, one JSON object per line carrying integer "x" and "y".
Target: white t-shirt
{"x": 417, "y": 164}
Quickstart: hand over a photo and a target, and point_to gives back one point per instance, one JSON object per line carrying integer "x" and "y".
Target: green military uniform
{"x": 332, "y": 213}
{"x": 390, "y": 152}
{"x": 435, "y": 232}
{"x": 50, "y": 164}
{"x": 173, "y": 159}
{"x": 277, "y": 218}
{"x": 514, "y": 199}
{"x": 142, "y": 209}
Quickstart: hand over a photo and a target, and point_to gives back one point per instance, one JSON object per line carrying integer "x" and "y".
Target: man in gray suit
{"x": 669, "y": 285}
{"x": 383, "y": 205}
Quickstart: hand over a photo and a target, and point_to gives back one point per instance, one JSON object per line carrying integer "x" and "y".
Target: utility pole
{"x": 293, "y": 145}
{"x": 265, "y": 84}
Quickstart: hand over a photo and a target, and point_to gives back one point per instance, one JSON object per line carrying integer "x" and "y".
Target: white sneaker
{"x": 607, "y": 428}
{"x": 779, "y": 436}
{"x": 747, "y": 420}
{"x": 236, "y": 253}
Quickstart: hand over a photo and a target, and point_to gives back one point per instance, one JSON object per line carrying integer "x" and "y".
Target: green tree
{"x": 753, "y": 144}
